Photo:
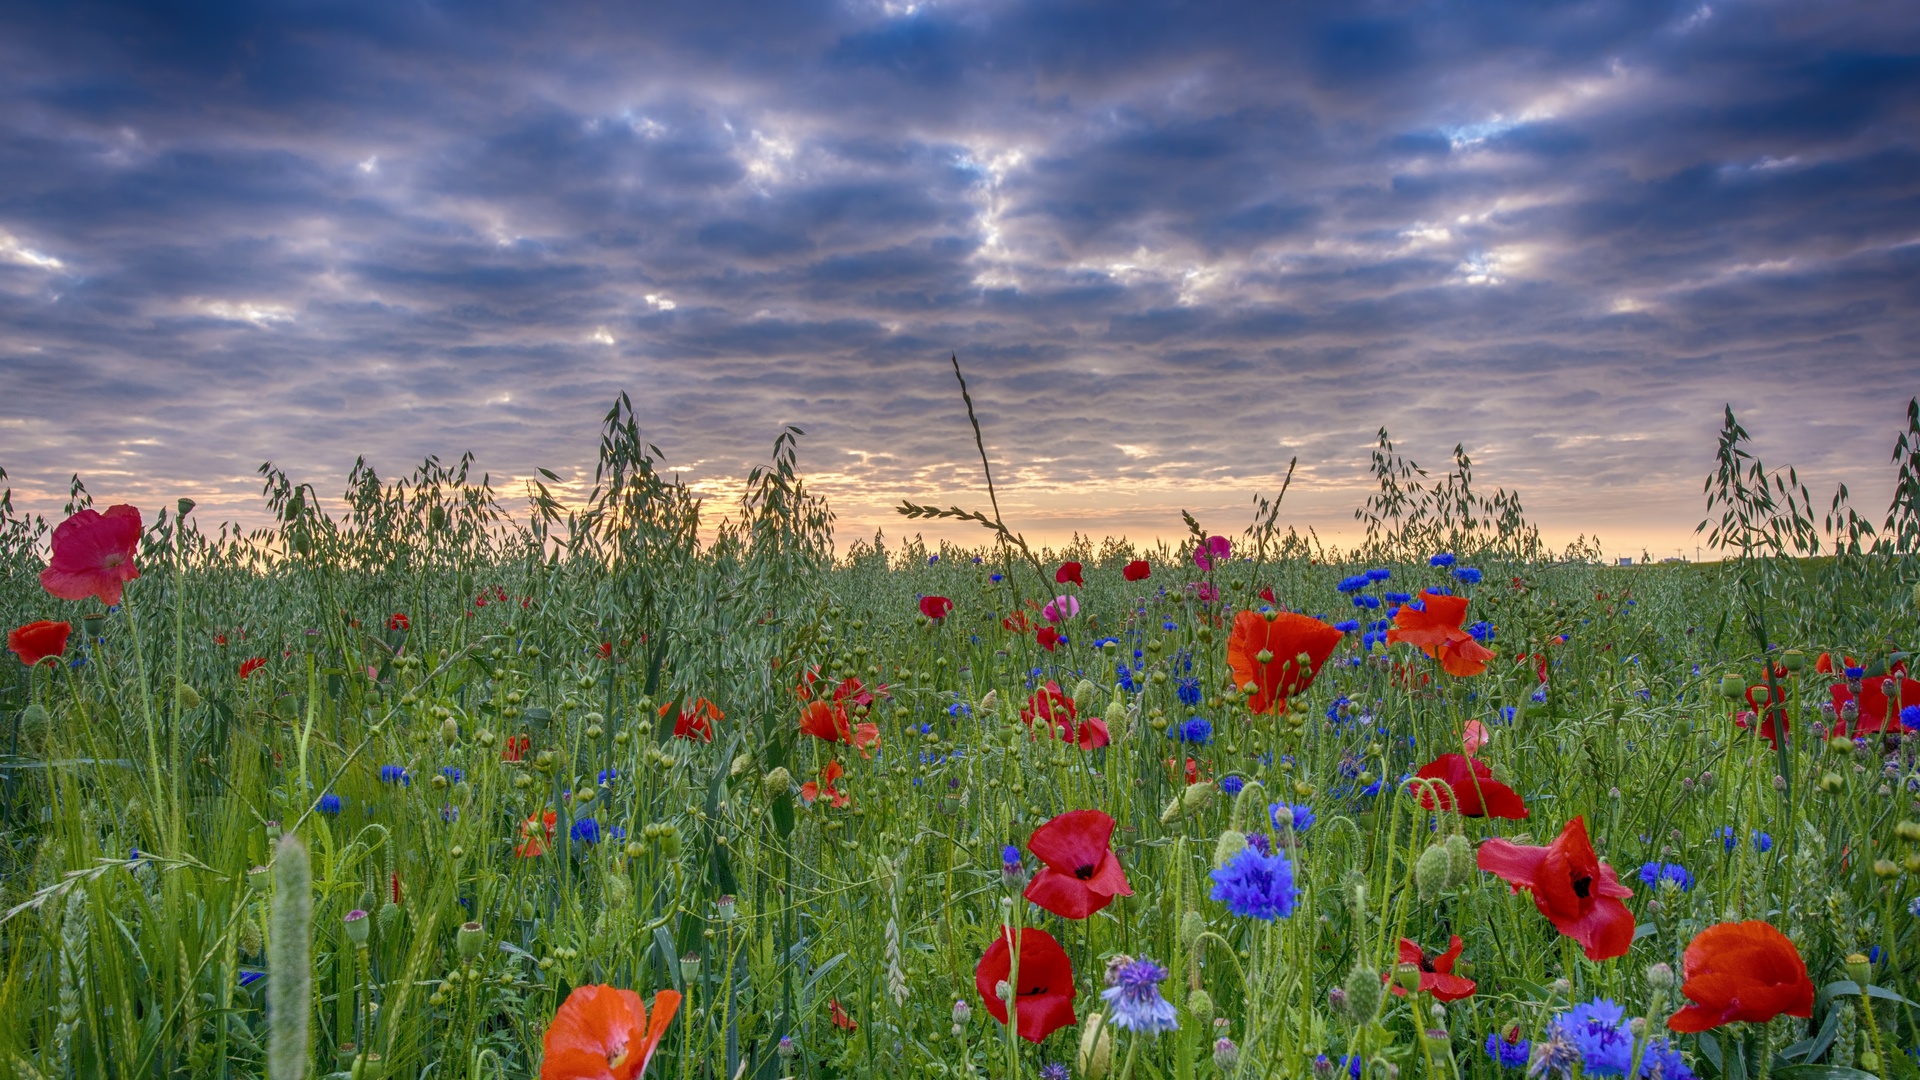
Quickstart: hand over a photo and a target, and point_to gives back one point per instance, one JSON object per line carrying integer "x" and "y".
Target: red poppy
{"x": 516, "y": 748}
{"x": 1044, "y": 997}
{"x": 1137, "y": 570}
{"x": 535, "y": 831}
{"x": 839, "y": 1016}
{"x": 1876, "y": 701}
{"x": 606, "y": 650}
{"x": 1773, "y": 708}
{"x": 1068, "y": 572}
{"x": 935, "y": 607}
{"x": 1745, "y": 971}
{"x": 829, "y": 723}
{"x": 1082, "y": 874}
{"x": 399, "y": 621}
{"x": 1047, "y": 638}
{"x": 1436, "y": 973}
{"x": 1052, "y": 706}
{"x": 219, "y": 639}
{"x": 248, "y": 667}
{"x": 1017, "y": 622}
{"x": 810, "y": 790}
{"x": 393, "y": 885}
{"x": 1474, "y": 788}
{"x": 1265, "y": 649}
{"x": 1577, "y": 892}
{"x": 695, "y": 722}
{"x": 39, "y": 641}
{"x": 601, "y": 1033}
{"x": 1437, "y": 631}
{"x": 93, "y": 554}
{"x": 1267, "y": 595}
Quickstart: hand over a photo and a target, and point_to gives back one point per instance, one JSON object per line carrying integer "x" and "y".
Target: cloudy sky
{"x": 1174, "y": 243}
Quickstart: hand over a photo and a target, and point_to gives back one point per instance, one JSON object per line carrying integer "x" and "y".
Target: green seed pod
{"x": 1859, "y": 969}
{"x": 450, "y": 730}
{"x": 671, "y": 842}
{"x": 1793, "y": 660}
{"x": 1200, "y": 1005}
{"x": 1231, "y": 843}
{"x": 1085, "y": 697}
{"x": 290, "y": 967}
{"x": 1363, "y": 992}
{"x": 472, "y": 938}
{"x": 1460, "y": 860}
{"x": 358, "y": 926}
{"x": 1407, "y": 976}
{"x": 1433, "y": 873}
{"x": 1733, "y": 687}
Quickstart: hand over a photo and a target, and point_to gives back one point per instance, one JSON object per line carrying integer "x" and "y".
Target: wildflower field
{"x": 430, "y": 781}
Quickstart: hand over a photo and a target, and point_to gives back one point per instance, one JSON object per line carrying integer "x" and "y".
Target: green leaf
{"x": 1850, "y": 988}
{"x": 1821, "y": 1072}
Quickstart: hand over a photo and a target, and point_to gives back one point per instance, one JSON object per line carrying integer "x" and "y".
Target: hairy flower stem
{"x": 161, "y": 818}
{"x": 289, "y": 963}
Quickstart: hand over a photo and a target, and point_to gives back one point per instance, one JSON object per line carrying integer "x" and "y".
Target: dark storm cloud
{"x": 1175, "y": 244}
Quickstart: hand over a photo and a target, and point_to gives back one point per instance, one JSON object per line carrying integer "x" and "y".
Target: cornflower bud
{"x": 1226, "y": 1056}
{"x": 1660, "y": 977}
{"x": 962, "y": 1012}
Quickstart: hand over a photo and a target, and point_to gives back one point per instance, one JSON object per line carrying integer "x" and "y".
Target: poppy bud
{"x": 189, "y": 697}
{"x": 1264, "y": 656}
{"x": 1832, "y": 783}
{"x": 1200, "y": 1004}
{"x": 1363, "y": 992}
{"x": 1907, "y": 830}
{"x": 1231, "y": 843}
{"x": 1840, "y": 744}
{"x": 1085, "y": 696}
{"x": 1433, "y": 873}
{"x": 1885, "y": 868}
{"x": 670, "y": 841}
{"x": 1460, "y": 860}
{"x": 991, "y": 699}
{"x": 1096, "y": 1048}
{"x": 1192, "y": 925}
{"x": 777, "y": 782}
{"x": 450, "y": 730}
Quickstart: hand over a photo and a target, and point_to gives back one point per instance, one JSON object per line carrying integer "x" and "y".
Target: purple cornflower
{"x": 1509, "y": 1051}
{"x": 1256, "y": 886}
{"x": 1133, "y": 993}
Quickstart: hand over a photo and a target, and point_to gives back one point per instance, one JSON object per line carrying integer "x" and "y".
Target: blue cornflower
{"x": 1853, "y": 672}
{"x": 1662, "y": 1060}
{"x": 1654, "y": 873}
{"x": 1379, "y": 573}
{"x": 1133, "y": 995}
{"x": 1506, "y": 715}
{"x": 1353, "y": 584}
{"x": 1467, "y": 575}
{"x": 1169, "y": 625}
{"x": 1397, "y": 597}
{"x": 1728, "y": 838}
{"x": 1197, "y": 731}
{"x": 1231, "y": 784}
{"x": 586, "y": 831}
{"x": 931, "y": 559}
{"x": 615, "y": 832}
{"x": 1303, "y": 816}
{"x": 1258, "y": 841}
{"x": 453, "y": 775}
{"x": 996, "y": 577}
{"x": 608, "y": 776}
{"x": 1256, "y": 886}
{"x": 1106, "y": 641}
{"x": 248, "y": 976}
{"x": 1366, "y": 600}
{"x": 959, "y": 708}
{"x": 1337, "y": 709}
{"x": 1910, "y": 717}
{"x": 1539, "y": 695}
{"x": 1055, "y": 1070}
{"x": 1442, "y": 559}
{"x": 330, "y": 804}
{"x": 1188, "y": 691}
{"x": 1481, "y": 631}
{"x": 1347, "y": 626}
{"x": 1597, "y": 1029}
{"x": 1439, "y": 590}
{"x": 1508, "y": 1055}
{"x": 396, "y": 774}
{"x": 1762, "y": 842}
{"x": 1913, "y": 907}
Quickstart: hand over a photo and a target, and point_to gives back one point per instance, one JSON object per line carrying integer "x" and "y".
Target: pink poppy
{"x": 1216, "y": 548}
{"x": 93, "y": 554}
{"x": 1061, "y": 607}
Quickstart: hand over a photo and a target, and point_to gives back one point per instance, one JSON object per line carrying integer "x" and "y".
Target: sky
{"x": 1174, "y": 245}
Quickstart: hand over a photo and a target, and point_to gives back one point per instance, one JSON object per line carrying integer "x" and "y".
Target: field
{"x": 373, "y": 794}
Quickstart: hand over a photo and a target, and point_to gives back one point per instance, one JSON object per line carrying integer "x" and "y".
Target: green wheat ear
{"x": 289, "y": 974}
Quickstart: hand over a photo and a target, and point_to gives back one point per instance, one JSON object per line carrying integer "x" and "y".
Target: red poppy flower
{"x": 93, "y": 554}
{"x": 839, "y": 1016}
{"x": 1741, "y": 971}
{"x": 39, "y": 641}
{"x": 810, "y": 790}
{"x": 399, "y": 621}
{"x": 1265, "y": 650}
{"x": 1044, "y": 997}
{"x": 1047, "y": 637}
{"x": 1017, "y": 622}
{"x": 219, "y": 639}
{"x": 1267, "y": 595}
{"x": 535, "y": 832}
{"x": 1082, "y": 874}
{"x": 248, "y": 667}
{"x": 1474, "y": 788}
{"x": 1068, "y": 572}
{"x": 935, "y": 607}
{"x": 1436, "y": 973}
{"x": 1051, "y": 704}
{"x": 1876, "y": 701}
{"x": 393, "y": 885}
{"x": 1577, "y": 892}
{"x": 1776, "y": 716}
{"x": 601, "y": 1033}
{"x": 1437, "y": 631}
{"x": 606, "y": 650}
{"x": 1137, "y": 570}
{"x": 829, "y": 723}
{"x": 695, "y": 722}
{"x": 516, "y": 749}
